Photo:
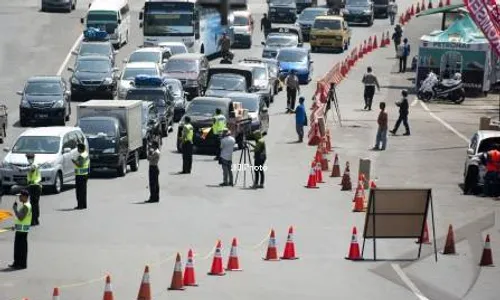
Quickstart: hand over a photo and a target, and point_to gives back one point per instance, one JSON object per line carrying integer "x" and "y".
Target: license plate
{"x": 281, "y": 14}
{"x": 42, "y": 116}
{"x": 91, "y": 89}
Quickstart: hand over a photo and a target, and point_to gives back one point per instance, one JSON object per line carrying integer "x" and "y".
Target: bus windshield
{"x": 168, "y": 24}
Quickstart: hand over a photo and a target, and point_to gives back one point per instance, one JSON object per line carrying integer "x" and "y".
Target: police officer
{"x": 292, "y": 88}
{"x": 492, "y": 161}
{"x": 154, "y": 172}
{"x": 21, "y": 227}
{"x": 404, "y": 110}
{"x": 217, "y": 127}
{"x": 259, "y": 160}
{"x": 225, "y": 46}
{"x": 82, "y": 168}
{"x": 187, "y": 146}
{"x": 34, "y": 179}
{"x": 265, "y": 25}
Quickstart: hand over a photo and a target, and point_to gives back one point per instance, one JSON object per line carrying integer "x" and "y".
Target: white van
{"x": 112, "y": 16}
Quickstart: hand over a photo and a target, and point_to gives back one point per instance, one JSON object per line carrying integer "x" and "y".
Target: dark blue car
{"x": 298, "y": 59}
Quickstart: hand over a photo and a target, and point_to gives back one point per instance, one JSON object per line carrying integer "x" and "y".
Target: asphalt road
{"x": 74, "y": 249}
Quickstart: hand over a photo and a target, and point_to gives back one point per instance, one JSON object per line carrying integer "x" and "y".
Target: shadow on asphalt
{"x": 66, "y": 209}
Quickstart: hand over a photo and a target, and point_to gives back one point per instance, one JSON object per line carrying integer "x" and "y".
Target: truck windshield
{"x": 309, "y": 15}
{"x": 282, "y": 2}
{"x": 93, "y": 128}
{"x": 227, "y": 82}
{"x": 327, "y": 24}
{"x": 204, "y": 108}
{"x": 37, "y": 145}
{"x": 168, "y": 23}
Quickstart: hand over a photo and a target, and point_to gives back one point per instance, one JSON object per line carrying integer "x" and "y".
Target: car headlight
{"x": 345, "y": 11}
{"x": 25, "y": 104}
{"x": 47, "y": 165}
{"x": 109, "y": 151}
{"x": 367, "y": 11}
{"x": 107, "y": 81}
{"x": 58, "y": 104}
{"x": 74, "y": 80}
{"x": 272, "y": 9}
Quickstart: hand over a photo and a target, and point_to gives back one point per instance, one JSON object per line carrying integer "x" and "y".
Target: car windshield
{"x": 251, "y": 104}
{"x": 227, "y": 82}
{"x": 175, "y": 88}
{"x": 328, "y": 24}
{"x": 204, "y": 108}
{"x": 95, "y": 48}
{"x": 292, "y": 56}
{"x": 93, "y": 66}
{"x": 43, "y": 88}
{"x": 93, "y": 128}
{"x": 309, "y": 15}
{"x": 282, "y": 2}
{"x": 259, "y": 73}
{"x": 176, "y": 49}
{"x": 181, "y": 66}
{"x": 37, "y": 145}
{"x": 282, "y": 40}
{"x": 131, "y": 73}
{"x": 241, "y": 21}
{"x": 141, "y": 56}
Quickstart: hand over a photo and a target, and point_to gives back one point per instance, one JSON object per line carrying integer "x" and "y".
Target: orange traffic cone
{"x": 359, "y": 199}
{"x": 324, "y": 162}
{"x": 402, "y": 19}
{"x": 372, "y": 185}
{"x": 145, "y": 288}
{"x": 336, "y": 167}
{"x": 361, "y": 51}
{"x": 346, "y": 179}
{"x": 324, "y": 146}
{"x": 55, "y": 294}
{"x": 430, "y": 5}
{"x": 189, "y": 274}
{"x": 412, "y": 10}
{"x": 369, "y": 45}
{"x": 289, "y": 252}
{"x": 328, "y": 141}
{"x": 440, "y": 3}
{"x": 217, "y": 268}
{"x": 177, "y": 283}
{"x": 387, "y": 39}
{"x": 272, "y": 251}
{"x": 425, "y": 236}
{"x": 108, "y": 293}
{"x": 365, "y": 48}
{"x": 449, "y": 246}
{"x": 487, "y": 256}
{"x": 375, "y": 44}
{"x": 233, "y": 263}
{"x": 407, "y": 16}
{"x": 423, "y": 5}
{"x": 362, "y": 178}
{"x": 319, "y": 173}
{"x": 382, "y": 41}
{"x": 418, "y": 8}
{"x": 354, "y": 253}
{"x": 448, "y": 2}
{"x": 311, "y": 182}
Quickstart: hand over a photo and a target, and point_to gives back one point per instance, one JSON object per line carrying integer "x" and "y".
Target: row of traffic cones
{"x": 272, "y": 249}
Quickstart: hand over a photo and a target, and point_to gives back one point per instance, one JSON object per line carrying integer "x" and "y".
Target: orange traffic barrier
{"x": 336, "y": 167}
{"x": 346, "y": 179}
{"x": 189, "y": 273}
{"x": 145, "y": 287}
{"x": 289, "y": 252}
{"x": 233, "y": 263}
{"x": 108, "y": 292}
{"x": 424, "y": 239}
{"x": 319, "y": 173}
{"x": 354, "y": 253}
{"x": 311, "y": 182}
{"x": 359, "y": 198}
{"x": 449, "y": 246}
{"x": 382, "y": 40}
{"x": 272, "y": 251}
{"x": 375, "y": 44}
{"x": 177, "y": 283}
{"x": 55, "y": 294}
{"x": 440, "y": 3}
{"x": 217, "y": 268}
{"x": 324, "y": 161}
{"x": 487, "y": 257}
{"x": 422, "y": 7}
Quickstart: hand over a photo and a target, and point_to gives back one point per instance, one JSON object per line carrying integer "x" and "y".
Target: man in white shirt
{"x": 226, "y": 157}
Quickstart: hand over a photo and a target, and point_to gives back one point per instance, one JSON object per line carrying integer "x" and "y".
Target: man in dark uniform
{"x": 187, "y": 146}
{"x": 265, "y": 25}
{"x": 22, "y": 226}
{"x": 154, "y": 172}
{"x": 82, "y": 167}
{"x": 404, "y": 109}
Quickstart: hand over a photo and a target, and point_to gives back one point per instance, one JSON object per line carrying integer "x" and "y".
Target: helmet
{"x": 30, "y": 155}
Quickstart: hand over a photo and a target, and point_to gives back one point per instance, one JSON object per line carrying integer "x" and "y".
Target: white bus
{"x": 112, "y": 16}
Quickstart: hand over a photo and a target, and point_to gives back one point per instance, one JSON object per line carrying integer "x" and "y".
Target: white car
{"x": 131, "y": 70}
{"x": 261, "y": 81}
{"x": 175, "y": 47}
{"x": 159, "y": 55}
{"x": 474, "y": 170}
{"x": 54, "y": 149}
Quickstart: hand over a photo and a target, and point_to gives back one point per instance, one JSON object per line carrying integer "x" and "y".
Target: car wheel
{"x": 43, "y": 9}
{"x": 58, "y": 183}
{"x": 313, "y": 49}
{"x": 122, "y": 169}
{"x": 134, "y": 166}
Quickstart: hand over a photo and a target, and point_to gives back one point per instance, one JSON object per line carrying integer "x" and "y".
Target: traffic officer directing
{"x": 492, "y": 161}
{"x": 217, "y": 127}
{"x": 33, "y": 178}
{"x": 187, "y": 146}
{"x": 265, "y": 25}
{"x": 82, "y": 167}
{"x": 21, "y": 227}
{"x": 259, "y": 160}
{"x": 154, "y": 172}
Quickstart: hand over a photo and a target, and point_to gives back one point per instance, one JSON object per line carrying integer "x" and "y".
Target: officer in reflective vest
{"x": 217, "y": 127}
{"x": 82, "y": 168}
{"x": 33, "y": 180}
{"x": 259, "y": 160}
{"x": 22, "y": 227}
{"x": 492, "y": 161}
{"x": 187, "y": 146}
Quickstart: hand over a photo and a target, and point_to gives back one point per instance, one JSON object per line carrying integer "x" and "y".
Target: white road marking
{"x": 415, "y": 101}
{"x": 444, "y": 123}
{"x": 68, "y": 57}
{"x": 408, "y": 282}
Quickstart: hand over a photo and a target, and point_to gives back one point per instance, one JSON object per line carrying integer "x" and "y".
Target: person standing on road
{"x": 292, "y": 88}
{"x": 187, "y": 146}
{"x": 381, "y": 140}
{"x": 392, "y": 10}
{"x": 300, "y": 119}
{"x": 225, "y": 46}
{"x": 33, "y": 179}
{"x": 21, "y": 227}
{"x": 492, "y": 161}
{"x": 404, "y": 110}
{"x": 258, "y": 160}
{"x": 396, "y": 37}
{"x": 371, "y": 82}
{"x": 219, "y": 124}
{"x": 82, "y": 167}
{"x": 154, "y": 172}
{"x": 404, "y": 52}
{"x": 226, "y": 157}
{"x": 265, "y": 25}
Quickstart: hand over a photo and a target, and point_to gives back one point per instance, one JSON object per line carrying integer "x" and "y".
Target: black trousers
{"x": 404, "y": 119}
{"x": 154, "y": 185}
{"x": 402, "y": 63}
{"x": 21, "y": 250}
{"x": 392, "y": 17}
{"x": 217, "y": 138}
{"x": 187, "y": 157}
{"x": 259, "y": 170}
{"x": 291, "y": 95}
{"x": 369, "y": 92}
{"x": 81, "y": 191}
{"x": 35, "y": 192}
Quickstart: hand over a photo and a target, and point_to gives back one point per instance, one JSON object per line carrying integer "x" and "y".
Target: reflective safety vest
{"x": 24, "y": 225}
{"x": 188, "y": 137}
{"x": 34, "y": 176}
{"x": 219, "y": 124}
{"x": 493, "y": 164}
{"x": 84, "y": 168}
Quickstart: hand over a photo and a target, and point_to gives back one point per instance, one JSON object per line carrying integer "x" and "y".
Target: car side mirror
{"x": 20, "y": 93}
{"x": 140, "y": 25}
{"x": 6, "y": 149}
{"x": 119, "y": 21}
{"x": 141, "y": 15}
{"x": 74, "y": 53}
{"x": 66, "y": 150}
{"x": 71, "y": 69}
{"x": 470, "y": 151}
{"x": 263, "y": 43}
{"x": 82, "y": 20}
{"x": 265, "y": 110}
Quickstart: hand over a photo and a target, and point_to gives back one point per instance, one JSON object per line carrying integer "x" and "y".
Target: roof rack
{"x": 148, "y": 81}
{"x": 95, "y": 34}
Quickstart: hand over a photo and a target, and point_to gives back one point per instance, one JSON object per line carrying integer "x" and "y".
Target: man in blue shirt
{"x": 300, "y": 119}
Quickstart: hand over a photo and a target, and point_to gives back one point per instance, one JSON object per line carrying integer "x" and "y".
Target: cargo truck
{"x": 113, "y": 131}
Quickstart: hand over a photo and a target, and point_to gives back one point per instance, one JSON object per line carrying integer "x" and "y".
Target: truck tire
{"x": 134, "y": 166}
{"x": 122, "y": 169}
